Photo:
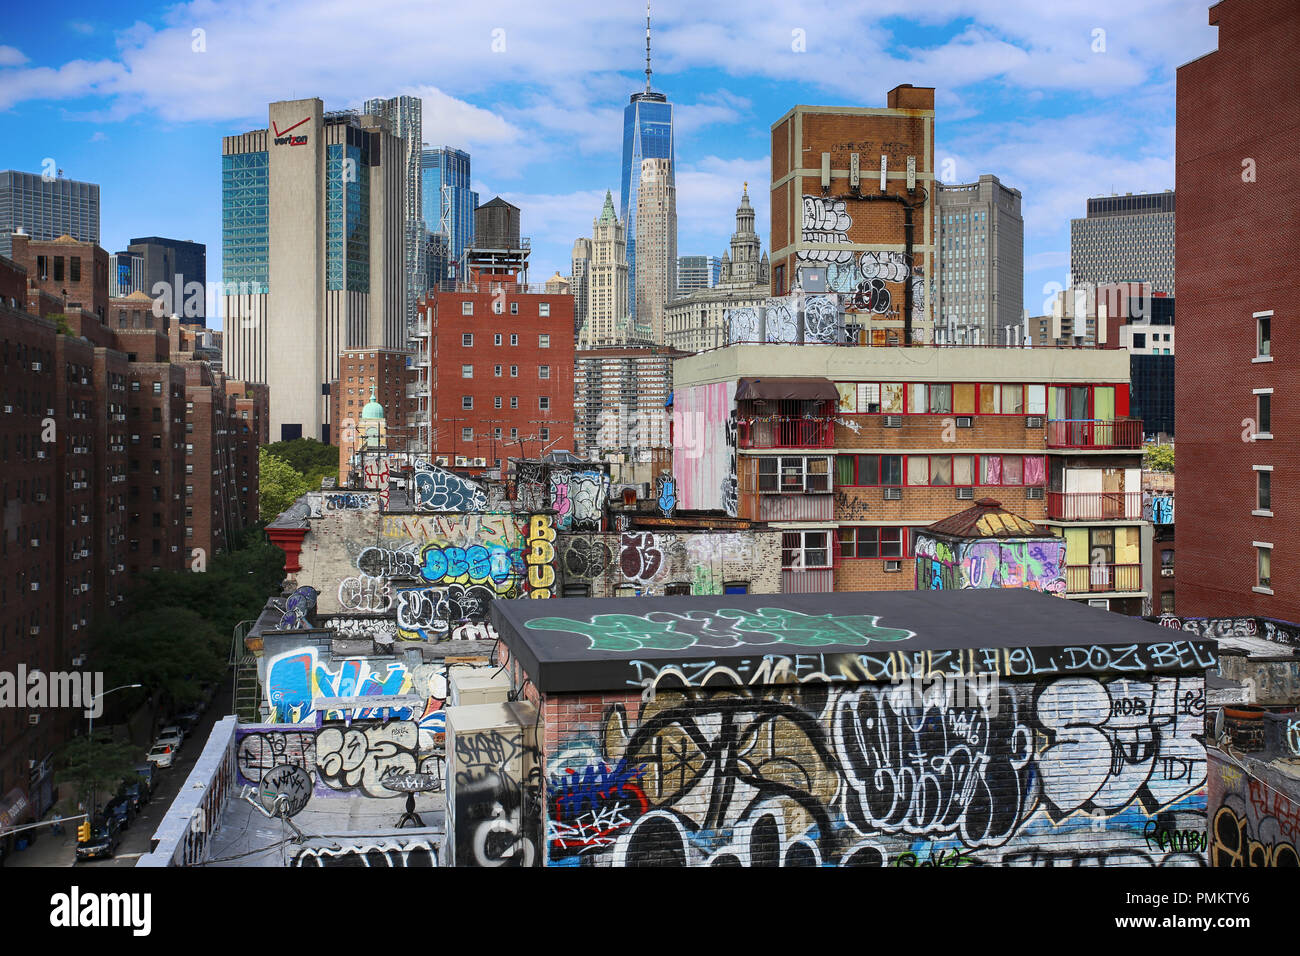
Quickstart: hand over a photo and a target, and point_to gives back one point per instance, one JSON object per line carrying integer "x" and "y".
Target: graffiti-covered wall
{"x": 705, "y": 447}
{"x": 949, "y": 564}
{"x": 649, "y": 562}
{"x": 429, "y": 573}
{"x": 1057, "y": 771}
{"x": 1253, "y": 820}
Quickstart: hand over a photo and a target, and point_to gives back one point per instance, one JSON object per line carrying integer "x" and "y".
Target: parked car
{"x": 105, "y": 835}
{"x": 171, "y": 735}
{"x": 161, "y": 755}
{"x": 187, "y": 721}
{"x": 136, "y": 793}
{"x": 120, "y": 807}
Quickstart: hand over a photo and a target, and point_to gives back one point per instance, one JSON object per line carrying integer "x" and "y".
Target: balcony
{"x": 1095, "y": 578}
{"x": 1094, "y": 505}
{"x": 786, "y": 432}
{"x": 1094, "y": 433}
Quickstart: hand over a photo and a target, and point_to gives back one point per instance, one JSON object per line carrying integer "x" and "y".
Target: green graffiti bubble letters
{"x": 728, "y": 627}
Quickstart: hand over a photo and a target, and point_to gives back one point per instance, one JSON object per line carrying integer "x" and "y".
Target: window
{"x": 514, "y": 339}
{"x": 544, "y": 309}
{"x": 467, "y": 371}
{"x": 1013, "y": 399}
{"x": 514, "y": 401}
{"x": 1264, "y": 334}
{"x": 496, "y": 339}
{"x": 496, "y": 402}
{"x": 543, "y": 341}
{"x": 543, "y": 371}
{"x": 940, "y": 399}
{"x": 496, "y": 433}
{"x": 1167, "y": 558}
{"x": 1139, "y": 340}
{"x": 871, "y": 542}
{"x": 1264, "y": 413}
{"x": 1167, "y": 602}
{"x": 467, "y": 340}
{"x": 1263, "y": 490}
{"x": 869, "y": 470}
{"x": 467, "y": 401}
{"x": 498, "y": 307}
{"x": 1263, "y": 565}
{"x": 466, "y": 308}
{"x": 805, "y": 549}
{"x": 544, "y": 403}
{"x": 157, "y": 388}
{"x": 496, "y": 370}
{"x": 891, "y": 398}
{"x": 514, "y": 433}
{"x": 545, "y": 433}
{"x": 514, "y": 371}
{"x": 791, "y": 475}
{"x": 467, "y": 434}
{"x": 514, "y": 308}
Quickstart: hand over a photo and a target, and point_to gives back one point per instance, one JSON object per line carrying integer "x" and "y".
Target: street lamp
{"x": 94, "y": 792}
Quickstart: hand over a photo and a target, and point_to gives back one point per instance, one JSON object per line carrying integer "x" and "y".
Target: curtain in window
{"x": 1103, "y": 403}
{"x": 963, "y": 399}
{"x": 963, "y": 470}
{"x": 1011, "y": 472}
{"x": 918, "y": 470}
{"x": 1035, "y": 399}
{"x": 992, "y": 467}
{"x": 916, "y": 398}
{"x": 1035, "y": 469}
{"x": 847, "y": 392}
{"x": 940, "y": 399}
{"x": 892, "y": 398}
{"x": 1013, "y": 399}
{"x": 844, "y": 470}
{"x": 989, "y": 404}
{"x": 940, "y": 469}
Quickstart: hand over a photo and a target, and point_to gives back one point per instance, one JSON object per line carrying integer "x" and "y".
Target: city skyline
{"x": 1020, "y": 100}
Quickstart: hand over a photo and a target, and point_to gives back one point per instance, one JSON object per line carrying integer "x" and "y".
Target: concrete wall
{"x": 1030, "y": 772}
{"x": 647, "y": 562}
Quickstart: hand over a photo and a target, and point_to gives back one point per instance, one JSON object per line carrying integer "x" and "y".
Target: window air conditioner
{"x": 965, "y": 421}
{"x": 893, "y": 494}
{"x": 893, "y": 421}
{"x": 965, "y": 494}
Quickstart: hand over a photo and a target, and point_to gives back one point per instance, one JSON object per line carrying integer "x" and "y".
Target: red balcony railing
{"x": 1092, "y": 578}
{"x": 786, "y": 432}
{"x": 1094, "y": 433}
{"x": 1094, "y": 505}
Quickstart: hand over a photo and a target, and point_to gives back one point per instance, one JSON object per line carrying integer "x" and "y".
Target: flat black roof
{"x": 585, "y": 644}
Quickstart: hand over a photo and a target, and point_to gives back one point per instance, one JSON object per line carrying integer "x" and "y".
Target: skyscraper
{"x": 183, "y": 266}
{"x": 657, "y": 216}
{"x": 312, "y": 234}
{"x": 449, "y": 203}
{"x": 606, "y": 280}
{"x": 647, "y": 134}
{"x": 981, "y": 264}
{"x": 581, "y": 265}
{"x": 125, "y": 274}
{"x": 46, "y": 208}
{"x": 403, "y": 114}
{"x": 1125, "y": 239}
{"x": 697, "y": 272}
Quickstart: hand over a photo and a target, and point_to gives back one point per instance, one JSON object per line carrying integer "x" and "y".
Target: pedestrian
{"x": 56, "y": 824}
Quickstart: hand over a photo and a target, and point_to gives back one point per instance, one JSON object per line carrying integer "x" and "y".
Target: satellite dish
{"x": 284, "y": 785}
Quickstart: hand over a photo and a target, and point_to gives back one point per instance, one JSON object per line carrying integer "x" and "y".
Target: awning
{"x": 14, "y": 808}
{"x": 776, "y": 389}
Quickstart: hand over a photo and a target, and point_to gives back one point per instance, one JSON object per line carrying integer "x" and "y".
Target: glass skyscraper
{"x": 46, "y": 208}
{"x": 647, "y": 134}
{"x": 449, "y": 203}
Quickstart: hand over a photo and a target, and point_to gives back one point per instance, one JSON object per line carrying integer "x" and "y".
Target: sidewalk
{"x": 49, "y": 849}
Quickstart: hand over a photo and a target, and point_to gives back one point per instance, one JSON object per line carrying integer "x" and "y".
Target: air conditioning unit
{"x": 893, "y": 494}
{"x": 33, "y": 631}
{"x": 480, "y": 462}
{"x": 1034, "y": 494}
{"x": 965, "y": 421}
{"x": 49, "y": 411}
{"x": 965, "y": 494}
{"x": 173, "y": 547}
{"x": 1034, "y": 421}
{"x": 1103, "y": 603}
{"x": 40, "y": 454}
{"x": 33, "y": 719}
{"x": 9, "y": 409}
{"x": 36, "y": 585}
{"x": 85, "y": 588}
{"x": 40, "y": 496}
{"x": 36, "y": 542}
{"x": 893, "y": 421}
{"x": 893, "y": 565}
{"x": 36, "y": 366}
{"x": 1166, "y": 572}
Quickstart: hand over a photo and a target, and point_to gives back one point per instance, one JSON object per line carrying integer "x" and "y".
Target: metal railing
{"x": 1093, "y": 578}
{"x": 1094, "y": 505}
{"x": 1094, "y": 433}
{"x": 786, "y": 432}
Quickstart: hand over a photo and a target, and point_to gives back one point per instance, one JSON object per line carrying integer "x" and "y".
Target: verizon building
{"x": 312, "y": 254}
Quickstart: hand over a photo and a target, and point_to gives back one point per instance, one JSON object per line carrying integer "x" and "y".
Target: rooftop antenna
{"x": 647, "y": 46}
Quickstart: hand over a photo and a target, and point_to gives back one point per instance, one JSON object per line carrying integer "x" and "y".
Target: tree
{"x": 279, "y": 483}
{"x": 305, "y": 455}
{"x": 96, "y": 765}
{"x": 1158, "y": 458}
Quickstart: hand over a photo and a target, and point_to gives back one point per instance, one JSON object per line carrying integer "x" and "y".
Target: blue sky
{"x": 1063, "y": 103}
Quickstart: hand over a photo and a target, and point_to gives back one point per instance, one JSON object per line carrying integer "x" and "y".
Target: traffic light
{"x": 83, "y": 832}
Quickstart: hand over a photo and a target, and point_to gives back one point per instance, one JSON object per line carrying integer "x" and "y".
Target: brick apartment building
{"x": 852, "y": 194}
{"x": 502, "y": 359}
{"x": 392, "y": 374}
{"x": 851, "y": 450}
{"x": 75, "y": 272}
{"x": 621, "y": 396}
{"x": 1238, "y": 179}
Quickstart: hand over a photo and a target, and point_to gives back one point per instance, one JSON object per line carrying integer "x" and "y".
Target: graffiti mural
{"x": 375, "y": 475}
{"x": 541, "y": 557}
{"x": 742, "y": 326}
{"x": 578, "y": 498}
{"x": 1252, "y": 824}
{"x": 666, "y": 495}
{"x": 494, "y": 798}
{"x": 822, "y": 319}
{"x": 651, "y": 561}
{"x": 730, "y": 481}
{"x": 440, "y": 490}
{"x": 870, "y": 775}
{"x": 530, "y": 485}
{"x": 382, "y": 854}
{"x": 944, "y": 565}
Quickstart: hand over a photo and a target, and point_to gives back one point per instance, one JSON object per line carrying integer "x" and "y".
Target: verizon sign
{"x": 282, "y": 137}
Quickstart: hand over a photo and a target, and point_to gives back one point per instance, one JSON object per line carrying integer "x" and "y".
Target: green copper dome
{"x": 373, "y": 409}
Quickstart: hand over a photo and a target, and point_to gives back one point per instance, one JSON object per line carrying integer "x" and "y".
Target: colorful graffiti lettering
{"x": 443, "y": 491}
{"x": 540, "y": 559}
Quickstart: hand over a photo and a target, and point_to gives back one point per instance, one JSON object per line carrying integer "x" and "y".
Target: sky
{"x": 1061, "y": 100}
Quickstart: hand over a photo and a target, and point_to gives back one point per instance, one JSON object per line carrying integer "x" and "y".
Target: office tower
{"x": 46, "y": 207}
{"x": 657, "y": 222}
{"x": 607, "y": 310}
{"x": 1238, "y": 179}
{"x": 579, "y": 277}
{"x": 697, "y": 272}
{"x": 698, "y": 321}
{"x": 852, "y": 197}
{"x": 449, "y": 203}
{"x": 181, "y": 266}
{"x": 403, "y": 114}
{"x": 312, "y": 254}
{"x": 1127, "y": 238}
{"x": 647, "y": 134}
{"x": 980, "y": 274}
{"x": 125, "y": 274}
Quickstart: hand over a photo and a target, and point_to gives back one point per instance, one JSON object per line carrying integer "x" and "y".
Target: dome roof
{"x": 373, "y": 409}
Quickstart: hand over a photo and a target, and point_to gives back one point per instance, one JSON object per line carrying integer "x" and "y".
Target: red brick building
{"x": 392, "y": 374}
{"x": 76, "y": 272}
{"x": 502, "y": 359}
{"x": 1238, "y": 239}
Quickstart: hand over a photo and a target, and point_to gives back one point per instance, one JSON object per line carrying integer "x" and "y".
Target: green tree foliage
{"x": 96, "y": 765}
{"x": 279, "y": 483}
{"x": 304, "y": 455}
{"x": 1158, "y": 458}
{"x": 172, "y": 651}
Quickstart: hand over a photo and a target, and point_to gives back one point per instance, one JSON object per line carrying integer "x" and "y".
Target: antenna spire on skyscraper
{"x": 647, "y": 46}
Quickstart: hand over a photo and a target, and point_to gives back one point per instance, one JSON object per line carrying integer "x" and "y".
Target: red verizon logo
{"x": 282, "y": 137}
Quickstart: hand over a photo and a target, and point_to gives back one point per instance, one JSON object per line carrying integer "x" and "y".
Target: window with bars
{"x": 790, "y": 475}
{"x": 802, "y": 550}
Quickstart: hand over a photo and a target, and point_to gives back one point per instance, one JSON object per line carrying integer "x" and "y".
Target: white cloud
{"x": 11, "y": 56}
{"x": 83, "y": 27}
